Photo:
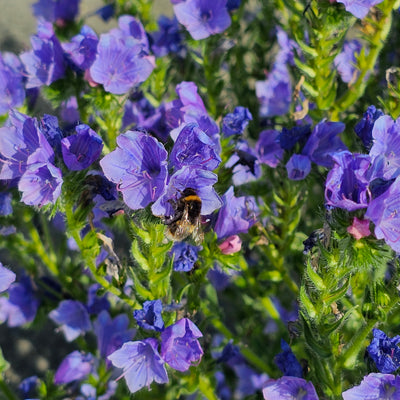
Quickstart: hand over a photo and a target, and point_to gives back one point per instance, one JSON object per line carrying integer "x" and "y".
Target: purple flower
{"x": 81, "y": 150}
{"x": 73, "y": 318}
{"x": 185, "y": 256}
{"x": 75, "y": 366}
{"x": 203, "y": 18}
{"x": 56, "y": 10}
{"x": 167, "y": 39}
{"x": 268, "y": 148}
{"x": 43, "y": 64}
{"x": 150, "y": 316}
{"x": 237, "y": 215}
{"x": 359, "y": 8}
{"x": 141, "y": 363}
{"x": 122, "y": 57}
{"x": 298, "y": 167}
{"x": 200, "y": 180}
{"x": 111, "y": 333}
{"x": 235, "y": 123}
{"x": 385, "y": 151}
{"x": 179, "y": 345}
{"x": 383, "y": 212}
{"x": 375, "y": 387}
{"x": 323, "y": 142}
{"x": 12, "y": 91}
{"x": 40, "y": 184}
{"x": 106, "y": 12}
{"x": 138, "y": 166}
{"x": 345, "y": 62}
{"x": 21, "y": 305}
{"x": 194, "y": 148}
{"x": 364, "y": 128}
{"x": 347, "y": 182}
{"x": 275, "y": 93}
{"x": 21, "y": 144}
{"x": 7, "y": 277}
{"x": 289, "y": 137}
{"x": 244, "y": 163}
{"x": 385, "y": 351}
{"x": 287, "y": 362}
{"x": 288, "y": 388}
{"x": 82, "y": 48}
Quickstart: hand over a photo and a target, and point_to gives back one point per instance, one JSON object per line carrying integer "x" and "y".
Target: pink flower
{"x": 231, "y": 245}
{"x": 359, "y": 228}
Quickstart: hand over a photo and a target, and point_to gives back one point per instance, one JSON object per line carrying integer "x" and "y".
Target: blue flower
{"x": 236, "y": 122}
{"x": 21, "y": 305}
{"x": 73, "y": 318}
{"x": 288, "y": 388}
{"x": 323, "y": 142}
{"x": 28, "y": 386}
{"x": 194, "y": 148}
{"x": 5, "y": 203}
{"x": 82, "y": 48}
{"x": 168, "y": 38}
{"x": 111, "y": 333}
{"x": 287, "y": 362}
{"x": 289, "y": 137}
{"x": 275, "y": 93}
{"x": 347, "y": 182}
{"x": 298, "y": 167}
{"x": 346, "y": 60}
{"x": 359, "y": 8}
{"x": 58, "y": 11}
{"x": 81, "y": 150}
{"x": 375, "y": 387}
{"x": 122, "y": 57}
{"x": 237, "y": 215}
{"x": 7, "y": 277}
{"x": 150, "y": 316}
{"x": 139, "y": 168}
{"x": 75, "y": 366}
{"x": 268, "y": 148}
{"x": 43, "y": 64}
{"x": 203, "y": 18}
{"x": 96, "y": 304}
{"x": 22, "y": 143}
{"x": 364, "y": 128}
{"x": 385, "y": 151}
{"x": 141, "y": 363}
{"x": 179, "y": 345}
{"x": 185, "y": 256}
{"x": 385, "y": 351}
{"x": 12, "y": 90}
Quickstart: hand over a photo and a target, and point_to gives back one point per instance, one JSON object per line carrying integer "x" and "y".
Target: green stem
{"x": 41, "y": 251}
{"x": 6, "y": 391}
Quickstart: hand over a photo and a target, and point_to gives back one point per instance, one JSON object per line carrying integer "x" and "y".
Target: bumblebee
{"x": 185, "y": 221}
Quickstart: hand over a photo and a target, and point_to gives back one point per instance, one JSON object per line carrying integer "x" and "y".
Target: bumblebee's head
{"x": 189, "y": 192}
